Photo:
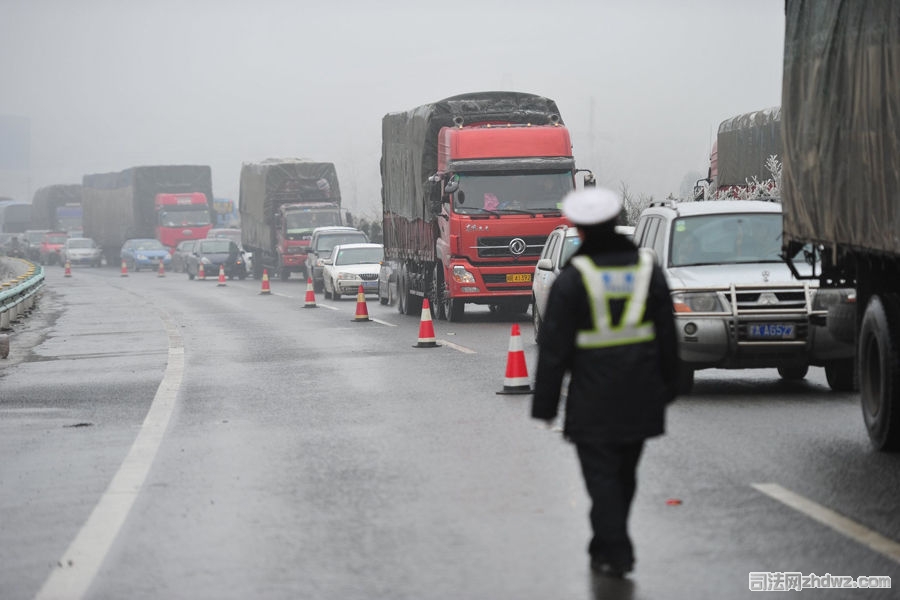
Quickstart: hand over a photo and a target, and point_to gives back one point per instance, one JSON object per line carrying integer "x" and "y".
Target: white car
{"x": 81, "y": 251}
{"x": 351, "y": 266}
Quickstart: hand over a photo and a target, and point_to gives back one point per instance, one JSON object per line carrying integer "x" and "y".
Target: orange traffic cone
{"x": 162, "y": 270}
{"x": 265, "y": 283}
{"x": 124, "y": 269}
{"x": 362, "y": 312}
{"x": 221, "y": 275}
{"x": 310, "y": 294}
{"x": 516, "y": 380}
{"x": 68, "y": 270}
{"x": 201, "y": 272}
{"x": 426, "y": 328}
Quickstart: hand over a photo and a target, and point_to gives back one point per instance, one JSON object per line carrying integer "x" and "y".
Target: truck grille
{"x": 498, "y": 247}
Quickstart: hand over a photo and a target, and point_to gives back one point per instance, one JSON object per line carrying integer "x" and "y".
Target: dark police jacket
{"x": 616, "y": 393}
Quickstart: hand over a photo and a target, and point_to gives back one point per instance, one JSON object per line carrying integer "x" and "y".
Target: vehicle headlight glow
{"x": 342, "y": 276}
{"x": 707, "y": 302}
{"x": 205, "y": 261}
{"x": 461, "y": 275}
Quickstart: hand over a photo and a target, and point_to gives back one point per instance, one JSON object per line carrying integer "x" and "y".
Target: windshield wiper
{"x": 484, "y": 210}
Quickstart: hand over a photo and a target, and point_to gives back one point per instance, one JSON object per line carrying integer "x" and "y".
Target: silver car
{"x": 736, "y": 303}
{"x": 81, "y": 251}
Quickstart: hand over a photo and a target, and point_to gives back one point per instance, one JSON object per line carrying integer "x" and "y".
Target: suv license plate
{"x": 772, "y": 331}
{"x": 518, "y": 278}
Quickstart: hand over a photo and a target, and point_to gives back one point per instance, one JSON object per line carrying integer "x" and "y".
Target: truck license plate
{"x": 518, "y": 278}
{"x": 772, "y": 331}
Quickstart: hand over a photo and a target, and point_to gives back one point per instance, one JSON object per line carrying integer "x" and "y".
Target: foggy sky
{"x": 108, "y": 85}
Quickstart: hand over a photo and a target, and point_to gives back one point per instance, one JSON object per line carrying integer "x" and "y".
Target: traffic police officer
{"x": 609, "y": 324}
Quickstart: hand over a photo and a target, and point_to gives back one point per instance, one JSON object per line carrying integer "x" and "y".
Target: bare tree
{"x": 632, "y": 206}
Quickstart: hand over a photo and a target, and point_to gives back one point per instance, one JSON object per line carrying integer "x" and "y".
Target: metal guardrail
{"x": 18, "y": 294}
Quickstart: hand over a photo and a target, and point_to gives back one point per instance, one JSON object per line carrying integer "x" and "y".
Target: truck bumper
{"x": 484, "y": 285}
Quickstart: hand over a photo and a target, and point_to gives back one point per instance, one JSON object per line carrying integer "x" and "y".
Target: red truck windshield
{"x": 532, "y": 192}
{"x": 194, "y": 217}
{"x": 307, "y": 220}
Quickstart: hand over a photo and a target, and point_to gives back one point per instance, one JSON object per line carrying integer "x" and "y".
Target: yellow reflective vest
{"x": 629, "y": 283}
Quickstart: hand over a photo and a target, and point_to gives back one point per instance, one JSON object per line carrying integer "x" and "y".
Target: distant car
{"x": 51, "y": 247}
{"x": 140, "y": 253}
{"x": 320, "y": 245}
{"x": 215, "y": 253}
{"x": 180, "y": 255}
{"x": 233, "y": 234}
{"x": 81, "y": 251}
{"x": 351, "y": 266}
{"x": 31, "y": 241}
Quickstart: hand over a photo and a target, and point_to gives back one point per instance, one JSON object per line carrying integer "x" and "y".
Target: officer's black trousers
{"x": 610, "y": 476}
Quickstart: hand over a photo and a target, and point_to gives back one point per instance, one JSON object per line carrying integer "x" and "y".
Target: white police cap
{"x": 591, "y": 206}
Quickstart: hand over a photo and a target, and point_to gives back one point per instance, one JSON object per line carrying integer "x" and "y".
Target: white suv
{"x": 736, "y": 302}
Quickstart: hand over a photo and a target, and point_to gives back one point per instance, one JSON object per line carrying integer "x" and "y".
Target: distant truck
{"x": 281, "y": 201}
{"x": 841, "y": 180}
{"x": 739, "y": 159}
{"x": 57, "y": 208}
{"x": 226, "y": 213}
{"x": 170, "y": 203}
{"x": 471, "y": 187}
{"x": 15, "y": 217}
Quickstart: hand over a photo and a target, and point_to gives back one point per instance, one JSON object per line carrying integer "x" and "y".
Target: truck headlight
{"x": 705, "y": 302}
{"x": 346, "y": 276}
{"x": 461, "y": 275}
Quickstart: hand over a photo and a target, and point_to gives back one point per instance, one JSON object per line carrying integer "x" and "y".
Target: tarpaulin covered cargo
{"x": 120, "y": 206}
{"x": 744, "y": 143}
{"x": 47, "y": 199}
{"x": 268, "y": 184}
{"x": 841, "y": 123}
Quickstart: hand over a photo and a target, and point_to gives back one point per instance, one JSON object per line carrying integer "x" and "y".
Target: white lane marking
{"x": 456, "y": 347}
{"x": 853, "y": 530}
{"x": 81, "y": 562}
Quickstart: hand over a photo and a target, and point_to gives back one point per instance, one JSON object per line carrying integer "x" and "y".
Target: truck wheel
{"x": 684, "y": 379}
{"x": 439, "y": 293}
{"x": 793, "y": 373}
{"x": 401, "y": 295}
{"x": 841, "y": 375}
{"x": 879, "y": 371}
{"x": 456, "y": 310}
{"x": 842, "y": 322}
{"x": 535, "y": 320}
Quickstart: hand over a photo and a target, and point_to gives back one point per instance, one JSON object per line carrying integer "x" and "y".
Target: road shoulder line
{"x": 82, "y": 560}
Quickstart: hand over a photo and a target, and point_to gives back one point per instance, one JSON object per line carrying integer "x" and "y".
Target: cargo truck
{"x": 471, "y": 187}
{"x": 739, "y": 162}
{"x": 281, "y": 201}
{"x": 57, "y": 208}
{"x": 170, "y": 203}
{"x": 841, "y": 180}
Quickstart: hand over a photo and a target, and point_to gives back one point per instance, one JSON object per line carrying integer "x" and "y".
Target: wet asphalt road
{"x": 305, "y": 455}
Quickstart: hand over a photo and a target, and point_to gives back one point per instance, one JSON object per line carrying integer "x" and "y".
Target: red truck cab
{"x": 298, "y": 220}
{"x": 503, "y": 189}
{"x": 181, "y": 217}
